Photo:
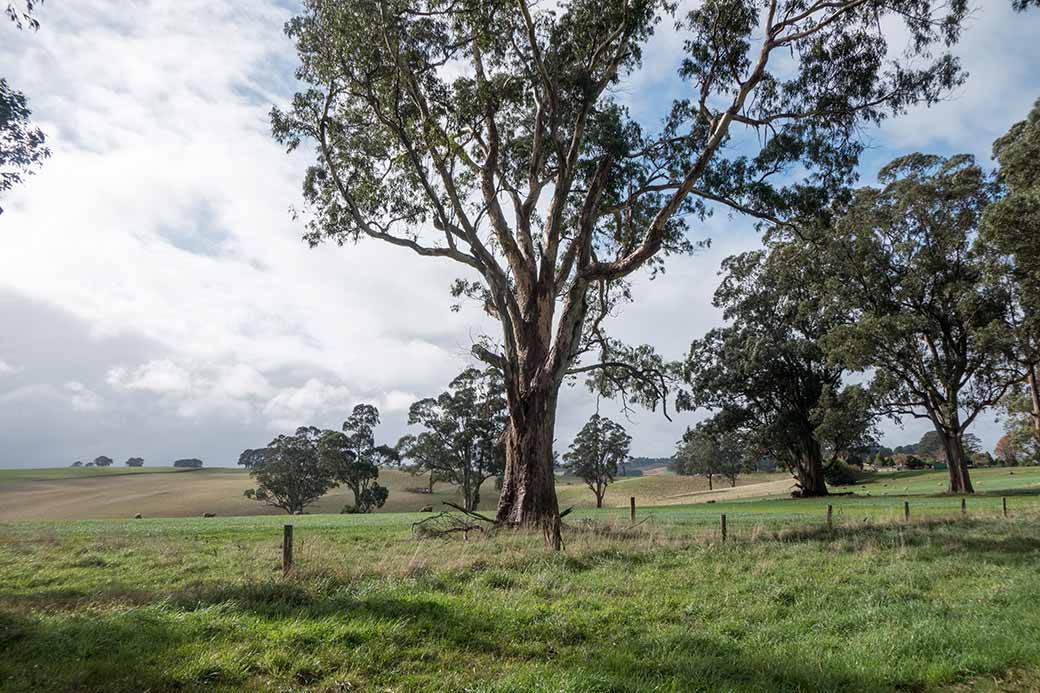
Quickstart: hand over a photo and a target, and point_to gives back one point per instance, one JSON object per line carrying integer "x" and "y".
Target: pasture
{"x": 121, "y": 492}
{"x": 785, "y": 604}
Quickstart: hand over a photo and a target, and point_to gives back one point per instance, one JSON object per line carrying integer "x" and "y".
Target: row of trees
{"x": 105, "y": 461}
{"x": 929, "y": 285}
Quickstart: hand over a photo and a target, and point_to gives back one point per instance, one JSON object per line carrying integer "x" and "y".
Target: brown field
{"x": 83, "y": 494}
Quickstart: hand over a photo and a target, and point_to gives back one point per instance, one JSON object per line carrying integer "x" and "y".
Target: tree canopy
{"x": 766, "y": 374}
{"x": 22, "y": 144}
{"x": 600, "y": 446}
{"x": 288, "y": 472}
{"x": 903, "y": 262}
{"x": 706, "y": 451}
{"x": 462, "y": 443}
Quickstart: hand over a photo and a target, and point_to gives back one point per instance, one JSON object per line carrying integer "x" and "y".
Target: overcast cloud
{"x": 155, "y": 294}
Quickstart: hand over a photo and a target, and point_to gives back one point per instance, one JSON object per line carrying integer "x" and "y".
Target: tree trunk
{"x": 599, "y": 501}
{"x": 1034, "y": 394}
{"x": 956, "y": 462}
{"x": 709, "y": 483}
{"x": 810, "y": 471}
{"x": 529, "y": 488}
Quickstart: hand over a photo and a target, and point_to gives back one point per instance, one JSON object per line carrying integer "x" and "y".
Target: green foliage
{"x": 766, "y": 373}
{"x": 708, "y": 451}
{"x": 593, "y": 457}
{"x": 22, "y": 145}
{"x": 914, "y": 462}
{"x": 462, "y": 443}
{"x": 903, "y": 263}
{"x": 289, "y": 472}
{"x": 353, "y": 458}
{"x": 103, "y": 461}
{"x": 135, "y": 462}
{"x": 840, "y": 473}
{"x": 188, "y": 463}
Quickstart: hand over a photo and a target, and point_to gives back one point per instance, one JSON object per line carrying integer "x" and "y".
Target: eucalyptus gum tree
{"x": 904, "y": 260}
{"x": 766, "y": 373}
{"x": 489, "y": 133}
{"x": 1011, "y": 229}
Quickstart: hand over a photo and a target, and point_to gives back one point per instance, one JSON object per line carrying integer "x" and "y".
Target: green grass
{"x": 785, "y": 604}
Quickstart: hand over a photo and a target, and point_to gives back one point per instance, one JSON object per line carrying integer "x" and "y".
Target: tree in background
{"x": 77, "y": 463}
{"x": 766, "y": 373}
{"x": 462, "y": 442}
{"x": 22, "y": 145}
{"x": 102, "y": 461}
{"x": 1010, "y": 228}
{"x": 135, "y": 462}
{"x": 1007, "y": 451}
{"x": 519, "y": 164}
{"x": 354, "y": 458}
{"x": 188, "y": 463}
{"x": 1017, "y": 411}
{"x": 707, "y": 451}
{"x": 901, "y": 260}
{"x": 289, "y": 473}
{"x": 596, "y": 452}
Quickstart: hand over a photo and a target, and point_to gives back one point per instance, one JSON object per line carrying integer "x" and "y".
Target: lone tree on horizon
{"x": 488, "y": 133}
{"x": 599, "y": 448}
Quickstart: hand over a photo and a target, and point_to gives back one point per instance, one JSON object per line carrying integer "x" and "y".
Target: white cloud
{"x": 6, "y": 368}
{"x": 161, "y": 377}
{"x": 314, "y": 402}
{"x": 81, "y": 397}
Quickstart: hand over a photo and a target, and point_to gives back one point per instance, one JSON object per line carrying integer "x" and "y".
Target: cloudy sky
{"x": 156, "y": 298}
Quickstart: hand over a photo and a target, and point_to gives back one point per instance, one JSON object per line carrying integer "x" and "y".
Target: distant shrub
{"x": 190, "y": 463}
{"x": 103, "y": 461}
{"x": 914, "y": 462}
{"x": 840, "y": 473}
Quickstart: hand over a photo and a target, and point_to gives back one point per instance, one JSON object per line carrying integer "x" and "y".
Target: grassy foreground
{"x": 785, "y": 604}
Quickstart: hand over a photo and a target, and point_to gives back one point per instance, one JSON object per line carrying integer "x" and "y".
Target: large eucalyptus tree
{"x": 490, "y": 133}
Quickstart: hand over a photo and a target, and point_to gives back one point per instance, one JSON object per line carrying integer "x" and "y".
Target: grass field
{"x": 785, "y": 604}
{"x": 121, "y": 492}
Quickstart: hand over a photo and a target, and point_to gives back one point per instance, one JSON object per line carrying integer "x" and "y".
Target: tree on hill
{"x": 77, "y": 463}
{"x": 596, "y": 452}
{"x": 520, "y": 165}
{"x": 903, "y": 262}
{"x": 462, "y": 442}
{"x": 189, "y": 463}
{"x": 289, "y": 472}
{"x": 102, "y": 461}
{"x": 135, "y": 462}
{"x": 354, "y": 458}
{"x": 709, "y": 452}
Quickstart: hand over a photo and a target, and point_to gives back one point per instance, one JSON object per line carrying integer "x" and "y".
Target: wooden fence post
{"x": 906, "y": 511}
{"x": 632, "y": 509}
{"x": 1004, "y": 503}
{"x": 723, "y": 524}
{"x": 287, "y": 562}
{"x": 830, "y": 514}
{"x": 964, "y": 506}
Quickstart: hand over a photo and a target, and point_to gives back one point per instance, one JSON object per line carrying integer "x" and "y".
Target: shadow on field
{"x": 83, "y": 653}
{"x": 946, "y": 536}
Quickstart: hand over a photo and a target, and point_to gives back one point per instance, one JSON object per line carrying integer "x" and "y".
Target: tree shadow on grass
{"x": 981, "y": 539}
